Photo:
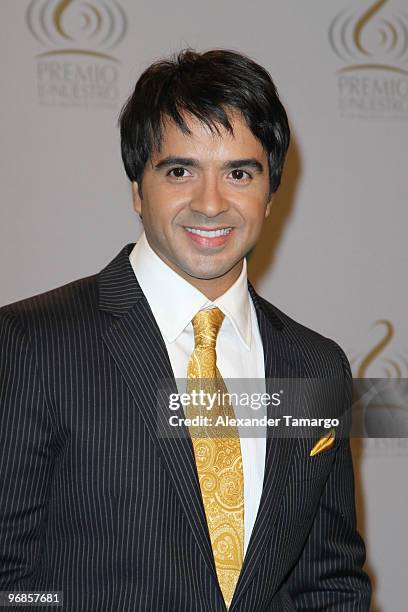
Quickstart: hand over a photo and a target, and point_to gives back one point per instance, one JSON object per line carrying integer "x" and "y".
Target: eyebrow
{"x": 232, "y": 164}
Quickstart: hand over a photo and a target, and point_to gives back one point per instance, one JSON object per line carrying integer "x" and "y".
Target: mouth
{"x": 209, "y": 237}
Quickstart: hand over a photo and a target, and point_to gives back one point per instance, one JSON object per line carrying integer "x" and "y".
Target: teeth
{"x": 209, "y": 233}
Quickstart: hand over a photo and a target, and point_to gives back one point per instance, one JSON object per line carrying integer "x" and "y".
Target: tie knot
{"x": 206, "y": 325}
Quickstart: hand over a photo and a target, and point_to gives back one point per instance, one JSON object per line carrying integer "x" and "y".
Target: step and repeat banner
{"x": 333, "y": 254}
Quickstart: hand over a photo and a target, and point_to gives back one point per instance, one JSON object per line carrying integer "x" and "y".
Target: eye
{"x": 240, "y": 175}
{"x": 178, "y": 172}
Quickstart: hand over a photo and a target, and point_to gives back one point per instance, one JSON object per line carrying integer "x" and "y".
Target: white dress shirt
{"x": 174, "y": 302}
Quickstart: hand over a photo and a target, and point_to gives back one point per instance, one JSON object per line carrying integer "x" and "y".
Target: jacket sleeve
{"x": 329, "y": 575}
{"x": 27, "y": 456}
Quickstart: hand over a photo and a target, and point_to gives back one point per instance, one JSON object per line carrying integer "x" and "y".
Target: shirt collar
{"x": 174, "y": 301}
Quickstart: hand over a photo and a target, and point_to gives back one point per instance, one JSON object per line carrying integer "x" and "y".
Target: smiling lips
{"x": 209, "y": 237}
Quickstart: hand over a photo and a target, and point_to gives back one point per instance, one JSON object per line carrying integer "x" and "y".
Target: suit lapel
{"x": 282, "y": 361}
{"x": 137, "y": 346}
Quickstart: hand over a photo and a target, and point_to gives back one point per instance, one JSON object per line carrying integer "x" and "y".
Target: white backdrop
{"x": 342, "y": 71}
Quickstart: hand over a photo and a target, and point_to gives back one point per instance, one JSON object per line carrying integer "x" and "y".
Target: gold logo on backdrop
{"x": 371, "y": 39}
{"x": 380, "y": 400}
{"x": 77, "y": 27}
{"x": 395, "y": 367}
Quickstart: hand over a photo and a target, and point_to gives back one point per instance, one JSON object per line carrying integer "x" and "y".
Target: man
{"x": 100, "y": 502}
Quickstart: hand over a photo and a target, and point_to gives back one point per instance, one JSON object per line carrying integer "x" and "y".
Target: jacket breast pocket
{"x": 314, "y": 468}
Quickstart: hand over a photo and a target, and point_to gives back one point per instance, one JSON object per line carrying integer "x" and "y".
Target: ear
{"x": 137, "y": 201}
{"x": 268, "y": 207}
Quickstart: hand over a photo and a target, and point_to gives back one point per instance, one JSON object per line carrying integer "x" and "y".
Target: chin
{"x": 206, "y": 274}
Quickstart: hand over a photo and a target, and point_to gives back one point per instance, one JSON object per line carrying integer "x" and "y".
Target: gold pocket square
{"x": 324, "y": 443}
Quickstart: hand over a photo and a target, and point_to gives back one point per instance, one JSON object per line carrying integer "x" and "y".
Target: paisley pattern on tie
{"x": 218, "y": 459}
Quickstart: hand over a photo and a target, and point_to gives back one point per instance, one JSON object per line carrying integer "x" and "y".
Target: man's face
{"x": 205, "y": 198}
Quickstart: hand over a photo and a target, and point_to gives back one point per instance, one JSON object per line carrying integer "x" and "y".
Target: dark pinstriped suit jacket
{"x": 95, "y": 504}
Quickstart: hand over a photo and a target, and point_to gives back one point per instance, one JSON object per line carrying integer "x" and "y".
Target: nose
{"x": 208, "y": 197}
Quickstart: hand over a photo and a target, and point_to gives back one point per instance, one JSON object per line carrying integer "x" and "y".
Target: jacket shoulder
{"x": 71, "y": 301}
{"x": 312, "y": 343}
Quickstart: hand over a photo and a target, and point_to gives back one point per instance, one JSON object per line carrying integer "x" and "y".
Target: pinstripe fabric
{"x": 94, "y": 503}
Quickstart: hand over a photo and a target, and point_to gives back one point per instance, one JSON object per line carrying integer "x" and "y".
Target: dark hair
{"x": 207, "y": 85}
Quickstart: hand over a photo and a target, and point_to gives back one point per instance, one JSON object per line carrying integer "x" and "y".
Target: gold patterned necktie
{"x": 218, "y": 456}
